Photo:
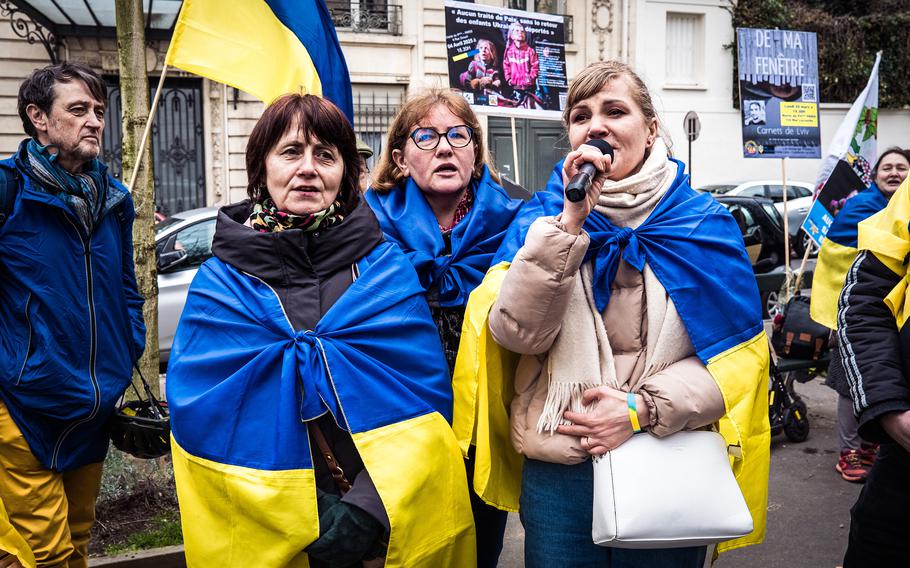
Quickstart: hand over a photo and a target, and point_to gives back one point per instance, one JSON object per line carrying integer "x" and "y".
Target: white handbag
{"x": 668, "y": 492}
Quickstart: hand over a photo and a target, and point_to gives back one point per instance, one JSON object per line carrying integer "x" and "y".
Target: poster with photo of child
{"x": 507, "y": 61}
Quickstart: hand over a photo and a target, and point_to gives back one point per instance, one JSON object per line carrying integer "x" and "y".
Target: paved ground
{"x": 808, "y": 506}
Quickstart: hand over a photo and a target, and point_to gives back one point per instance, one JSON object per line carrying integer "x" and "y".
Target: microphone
{"x": 581, "y": 181}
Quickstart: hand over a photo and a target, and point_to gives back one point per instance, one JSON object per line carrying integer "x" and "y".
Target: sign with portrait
{"x": 507, "y": 61}
{"x": 778, "y": 93}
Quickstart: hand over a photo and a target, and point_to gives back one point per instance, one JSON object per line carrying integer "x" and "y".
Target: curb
{"x": 166, "y": 557}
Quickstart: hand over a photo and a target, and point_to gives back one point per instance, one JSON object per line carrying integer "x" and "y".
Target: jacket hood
{"x": 277, "y": 257}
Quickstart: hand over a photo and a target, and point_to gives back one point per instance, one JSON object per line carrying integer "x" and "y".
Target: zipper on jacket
{"x": 87, "y": 255}
{"x": 28, "y": 347}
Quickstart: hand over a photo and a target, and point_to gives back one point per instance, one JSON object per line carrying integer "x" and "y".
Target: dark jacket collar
{"x": 283, "y": 257}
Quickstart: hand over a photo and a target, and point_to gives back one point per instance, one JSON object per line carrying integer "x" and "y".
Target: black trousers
{"x": 489, "y": 523}
{"x": 880, "y": 519}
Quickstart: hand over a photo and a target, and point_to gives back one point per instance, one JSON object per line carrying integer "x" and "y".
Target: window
{"x": 777, "y": 193}
{"x": 366, "y": 15}
{"x": 685, "y": 49}
{"x": 196, "y": 240}
{"x": 754, "y": 191}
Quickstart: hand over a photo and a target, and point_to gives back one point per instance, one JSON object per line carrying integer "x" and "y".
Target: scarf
{"x": 267, "y": 218}
{"x": 407, "y": 220}
{"x": 461, "y": 210}
{"x": 84, "y": 193}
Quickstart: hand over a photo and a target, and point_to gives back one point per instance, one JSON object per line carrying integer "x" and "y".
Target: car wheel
{"x": 770, "y": 304}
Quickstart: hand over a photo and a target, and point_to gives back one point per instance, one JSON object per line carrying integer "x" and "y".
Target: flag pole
{"x": 515, "y": 151}
{"x": 148, "y": 128}
{"x": 788, "y": 276}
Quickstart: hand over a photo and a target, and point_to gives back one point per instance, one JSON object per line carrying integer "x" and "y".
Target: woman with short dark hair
{"x": 309, "y": 395}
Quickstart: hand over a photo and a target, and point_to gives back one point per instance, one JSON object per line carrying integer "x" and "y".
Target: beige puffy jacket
{"x": 528, "y": 316}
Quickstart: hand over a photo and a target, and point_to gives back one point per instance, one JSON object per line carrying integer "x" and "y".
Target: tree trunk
{"x": 134, "y": 97}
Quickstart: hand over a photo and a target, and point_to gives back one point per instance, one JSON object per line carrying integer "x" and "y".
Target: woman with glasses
{"x": 437, "y": 197}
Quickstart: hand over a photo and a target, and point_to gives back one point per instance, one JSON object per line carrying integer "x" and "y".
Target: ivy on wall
{"x": 849, "y": 34}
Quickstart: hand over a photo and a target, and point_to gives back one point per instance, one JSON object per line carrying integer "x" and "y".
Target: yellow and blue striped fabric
{"x": 887, "y": 235}
{"x": 838, "y": 252}
{"x": 242, "y": 383}
{"x": 695, "y": 249}
{"x": 264, "y": 47}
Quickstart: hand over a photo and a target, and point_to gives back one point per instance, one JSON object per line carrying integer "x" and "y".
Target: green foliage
{"x": 165, "y": 531}
{"x": 849, "y": 35}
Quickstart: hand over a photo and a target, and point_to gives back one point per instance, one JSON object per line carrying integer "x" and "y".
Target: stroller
{"x": 787, "y": 411}
{"x": 802, "y": 352}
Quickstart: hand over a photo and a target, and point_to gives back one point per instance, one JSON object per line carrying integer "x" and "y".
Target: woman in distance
{"x": 310, "y": 398}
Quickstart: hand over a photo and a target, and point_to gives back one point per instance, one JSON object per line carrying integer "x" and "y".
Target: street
{"x": 808, "y": 503}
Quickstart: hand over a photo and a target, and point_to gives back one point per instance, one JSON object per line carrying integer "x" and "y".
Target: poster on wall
{"x": 507, "y": 61}
{"x": 778, "y": 93}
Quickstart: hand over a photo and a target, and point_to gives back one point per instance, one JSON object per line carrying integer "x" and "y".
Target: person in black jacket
{"x": 875, "y": 352}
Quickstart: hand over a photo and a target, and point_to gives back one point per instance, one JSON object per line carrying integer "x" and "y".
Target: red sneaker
{"x": 851, "y": 467}
{"x": 868, "y": 453}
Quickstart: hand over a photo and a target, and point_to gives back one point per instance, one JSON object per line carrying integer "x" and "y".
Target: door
{"x": 541, "y": 143}
{"x": 177, "y": 143}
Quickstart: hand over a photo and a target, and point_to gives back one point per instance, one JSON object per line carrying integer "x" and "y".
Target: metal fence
{"x": 372, "y": 116}
{"x": 366, "y": 15}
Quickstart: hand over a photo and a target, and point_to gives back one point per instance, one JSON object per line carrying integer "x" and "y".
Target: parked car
{"x": 182, "y": 242}
{"x": 762, "y": 229}
{"x": 799, "y": 200}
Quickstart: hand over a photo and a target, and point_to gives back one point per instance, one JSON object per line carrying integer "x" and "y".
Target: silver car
{"x": 182, "y": 242}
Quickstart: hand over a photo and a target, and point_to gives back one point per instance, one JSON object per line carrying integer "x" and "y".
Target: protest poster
{"x": 507, "y": 61}
{"x": 778, "y": 93}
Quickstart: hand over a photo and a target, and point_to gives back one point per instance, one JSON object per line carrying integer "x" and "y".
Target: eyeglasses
{"x": 458, "y": 136}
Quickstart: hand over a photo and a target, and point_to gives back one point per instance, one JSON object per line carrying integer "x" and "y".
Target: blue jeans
{"x": 556, "y": 514}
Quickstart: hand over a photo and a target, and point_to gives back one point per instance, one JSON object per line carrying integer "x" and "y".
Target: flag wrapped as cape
{"x": 695, "y": 249}
{"x": 242, "y": 383}
{"x": 848, "y": 166}
{"x": 407, "y": 220}
{"x": 838, "y": 253}
{"x": 887, "y": 235}
{"x": 264, "y": 47}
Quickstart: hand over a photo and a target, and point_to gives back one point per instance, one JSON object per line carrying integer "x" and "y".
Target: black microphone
{"x": 581, "y": 181}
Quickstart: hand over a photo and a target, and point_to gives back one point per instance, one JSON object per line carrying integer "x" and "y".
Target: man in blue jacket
{"x": 71, "y": 322}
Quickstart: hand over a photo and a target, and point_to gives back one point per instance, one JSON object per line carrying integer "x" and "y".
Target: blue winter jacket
{"x": 71, "y": 323}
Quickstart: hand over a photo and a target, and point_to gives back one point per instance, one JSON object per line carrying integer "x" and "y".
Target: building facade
{"x": 396, "y": 47}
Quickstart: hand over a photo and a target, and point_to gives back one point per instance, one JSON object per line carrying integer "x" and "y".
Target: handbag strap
{"x": 334, "y": 467}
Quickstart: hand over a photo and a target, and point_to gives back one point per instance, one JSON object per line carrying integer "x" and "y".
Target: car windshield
{"x": 161, "y": 225}
{"x": 718, "y": 189}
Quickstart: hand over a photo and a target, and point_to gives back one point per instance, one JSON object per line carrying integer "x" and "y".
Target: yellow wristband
{"x": 633, "y": 412}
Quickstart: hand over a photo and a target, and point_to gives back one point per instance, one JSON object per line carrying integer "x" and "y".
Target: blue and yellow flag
{"x": 264, "y": 47}
{"x": 887, "y": 235}
{"x": 695, "y": 249}
{"x": 243, "y": 382}
{"x": 407, "y": 220}
{"x": 838, "y": 252}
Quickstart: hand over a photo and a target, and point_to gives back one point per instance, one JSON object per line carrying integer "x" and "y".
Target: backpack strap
{"x": 9, "y": 186}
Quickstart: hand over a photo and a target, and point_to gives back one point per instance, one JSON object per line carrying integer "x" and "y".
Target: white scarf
{"x": 581, "y": 356}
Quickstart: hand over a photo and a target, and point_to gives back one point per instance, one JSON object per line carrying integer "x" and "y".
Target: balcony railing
{"x": 366, "y": 16}
{"x": 570, "y": 28}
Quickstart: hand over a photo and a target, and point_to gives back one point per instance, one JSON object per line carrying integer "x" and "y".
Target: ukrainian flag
{"x": 243, "y": 383}
{"x": 887, "y": 235}
{"x": 838, "y": 252}
{"x": 264, "y": 47}
{"x": 695, "y": 249}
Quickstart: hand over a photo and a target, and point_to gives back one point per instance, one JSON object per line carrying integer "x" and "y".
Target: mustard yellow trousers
{"x": 52, "y": 512}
